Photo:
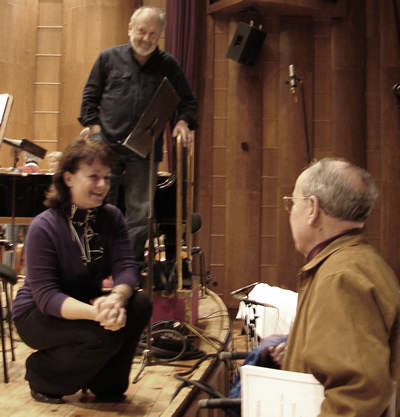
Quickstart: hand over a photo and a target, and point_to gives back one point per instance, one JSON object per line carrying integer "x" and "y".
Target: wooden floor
{"x": 150, "y": 396}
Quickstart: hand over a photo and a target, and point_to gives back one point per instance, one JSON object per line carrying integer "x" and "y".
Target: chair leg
{"x": 9, "y": 320}
{"x": 3, "y": 341}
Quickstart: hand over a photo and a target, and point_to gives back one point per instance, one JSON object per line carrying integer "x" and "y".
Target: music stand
{"x": 142, "y": 141}
{"x": 6, "y": 101}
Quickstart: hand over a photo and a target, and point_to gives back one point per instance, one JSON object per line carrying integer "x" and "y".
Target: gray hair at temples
{"x": 344, "y": 190}
{"x": 156, "y": 10}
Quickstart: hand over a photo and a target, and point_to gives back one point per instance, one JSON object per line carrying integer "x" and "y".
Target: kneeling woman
{"x": 82, "y": 337}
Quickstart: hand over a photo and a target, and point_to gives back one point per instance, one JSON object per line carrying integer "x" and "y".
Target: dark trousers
{"x": 72, "y": 354}
{"x": 133, "y": 172}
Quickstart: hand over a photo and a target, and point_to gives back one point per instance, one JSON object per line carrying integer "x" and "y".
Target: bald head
{"x": 344, "y": 191}
{"x": 149, "y": 12}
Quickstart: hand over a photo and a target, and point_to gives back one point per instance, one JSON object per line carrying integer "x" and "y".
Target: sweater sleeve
{"x": 92, "y": 94}
{"x": 42, "y": 268}
{"x": 187, "y": 108}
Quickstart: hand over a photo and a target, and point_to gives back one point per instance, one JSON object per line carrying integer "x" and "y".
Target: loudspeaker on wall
{"x": 246, "y": 44}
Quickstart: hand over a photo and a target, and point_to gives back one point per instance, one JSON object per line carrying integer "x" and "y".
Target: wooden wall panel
{"x": 389, "y": 133}
{"x": 244, "y": 159}
{"x": 46, "y": 126}
{"x": 348, "y": 86}
{"x": 46, "y": 97}
{"x": 49, "y": 40}
{"x": 101, "y": 24}
{"x": 50, "y": 13}
{"x": 17, "y": 50}
{"x": 48, "y": 69}
{"x": 373, "y": 104}
{"x": 296, "y": 48}
{"x": 206, "y": 138}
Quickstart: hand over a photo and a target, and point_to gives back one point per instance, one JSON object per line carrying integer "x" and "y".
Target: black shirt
{"x": 119, "y": 88}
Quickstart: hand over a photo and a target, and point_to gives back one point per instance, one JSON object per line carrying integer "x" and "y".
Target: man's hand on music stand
{"x": 183, "y": 128}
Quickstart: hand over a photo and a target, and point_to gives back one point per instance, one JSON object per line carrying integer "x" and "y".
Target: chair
{"x": 8, "y": 277}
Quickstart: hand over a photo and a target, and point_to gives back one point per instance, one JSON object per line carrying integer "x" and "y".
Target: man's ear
{"x": 313, "y": 209}
{"x": 67, "y": 178}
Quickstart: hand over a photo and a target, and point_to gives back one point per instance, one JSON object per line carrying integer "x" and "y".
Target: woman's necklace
{"x": 87, "y": 254}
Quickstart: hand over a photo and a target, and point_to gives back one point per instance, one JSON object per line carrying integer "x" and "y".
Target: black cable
{"x": 204, "y": 386}
{"x": 196, "y": 365}
{"x": 165, "y": 353}
{"x": 306, "y": 135}
{"x": 211, "y": 315}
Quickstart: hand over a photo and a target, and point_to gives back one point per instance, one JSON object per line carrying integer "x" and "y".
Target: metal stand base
{"x": 146, "y": 360}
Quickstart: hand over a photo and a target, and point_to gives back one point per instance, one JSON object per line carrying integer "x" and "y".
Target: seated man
{"x": 31, "y": 164}
{"x": 347, "y": 326}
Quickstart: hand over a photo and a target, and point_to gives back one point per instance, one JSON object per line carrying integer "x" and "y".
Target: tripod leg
{"x": 146, "y": 359}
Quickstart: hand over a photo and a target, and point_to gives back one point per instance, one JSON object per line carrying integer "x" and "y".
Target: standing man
{"x": 121, "y": 84}
{"x": 347, "y": 327}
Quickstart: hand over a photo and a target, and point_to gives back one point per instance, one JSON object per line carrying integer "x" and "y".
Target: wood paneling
{"x": 296, "y": 48}
{"x": 90, "y": 27}
{"x": 17, "y": 49}
{"x": 204, "y": 148}
{"x": 243, "y": 171}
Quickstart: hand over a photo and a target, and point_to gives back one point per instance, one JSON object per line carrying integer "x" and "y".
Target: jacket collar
{"x": 351, "y": 238}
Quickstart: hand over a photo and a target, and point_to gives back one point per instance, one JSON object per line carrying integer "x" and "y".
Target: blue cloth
{"x": 256, "y": 358}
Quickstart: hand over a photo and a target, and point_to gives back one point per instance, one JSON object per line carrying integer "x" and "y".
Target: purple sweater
{"x": 55, "y": 269}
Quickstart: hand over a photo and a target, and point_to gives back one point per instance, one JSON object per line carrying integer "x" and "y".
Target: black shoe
{"x": 47, "y": 398}
{"x": 110, "y": 398}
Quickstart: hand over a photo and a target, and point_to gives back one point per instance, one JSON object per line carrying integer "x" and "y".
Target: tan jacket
{"x": 347, "y": 328}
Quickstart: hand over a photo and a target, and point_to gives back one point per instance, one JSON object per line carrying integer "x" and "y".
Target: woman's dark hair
{"x": 80, "y": 150}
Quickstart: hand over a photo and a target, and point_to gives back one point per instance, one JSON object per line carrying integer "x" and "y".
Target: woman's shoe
{"x": 47, "y": 398}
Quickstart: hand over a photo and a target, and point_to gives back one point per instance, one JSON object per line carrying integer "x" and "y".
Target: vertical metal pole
{"x": 179, "y": 211}
{"x": 189, "y": 202}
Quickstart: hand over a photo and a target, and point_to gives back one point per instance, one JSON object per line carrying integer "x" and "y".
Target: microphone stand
{"x": 142, "y": 141}
{"x": 147, "y": 358}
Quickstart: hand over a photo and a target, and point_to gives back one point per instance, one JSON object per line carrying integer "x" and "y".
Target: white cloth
{"x": 270, "y": 320}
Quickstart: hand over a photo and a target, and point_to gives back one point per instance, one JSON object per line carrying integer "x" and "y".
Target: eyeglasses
{"x": 288, "y": 202}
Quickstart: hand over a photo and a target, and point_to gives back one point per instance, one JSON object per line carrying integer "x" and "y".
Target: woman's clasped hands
{"x": 111, "y": 312}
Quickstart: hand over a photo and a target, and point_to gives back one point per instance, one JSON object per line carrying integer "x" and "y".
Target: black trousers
{"x": 72, "y": 354}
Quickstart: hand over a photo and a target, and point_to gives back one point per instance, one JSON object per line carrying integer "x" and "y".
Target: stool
{"x": 8, "y": 277}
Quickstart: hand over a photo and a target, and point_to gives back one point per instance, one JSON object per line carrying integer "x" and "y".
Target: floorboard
{"x": 150, "y": 397}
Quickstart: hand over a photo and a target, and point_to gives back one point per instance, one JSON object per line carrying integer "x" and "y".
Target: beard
{"x": 140, "y": 50}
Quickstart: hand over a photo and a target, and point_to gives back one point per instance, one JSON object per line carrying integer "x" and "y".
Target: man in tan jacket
{"x": 347, "y": 327}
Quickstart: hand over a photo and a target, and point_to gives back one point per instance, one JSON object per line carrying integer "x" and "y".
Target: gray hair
{"x": 28, "y": 157}
{"x": 158, "y": 12}
{"x": 344, "y": 190}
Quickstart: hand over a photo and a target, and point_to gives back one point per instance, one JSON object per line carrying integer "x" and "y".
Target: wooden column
{"x": 204, "y": 137}
{"x": 296, "y": 48}
{"x": 390, "y": 137}
{"x": 18, "y": 19}
{"x": 243, "y": 159}
{"x": 348, "y": 85}
{"x": 89, "y": 27}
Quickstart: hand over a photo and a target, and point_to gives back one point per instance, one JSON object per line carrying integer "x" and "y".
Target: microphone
{"x": 292, "y": 79}
{"x": 219, "y": 403}
{"x": 244, "y": 289}
{"x": 256, "y": 303}
{"x": 232, "y": 355}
